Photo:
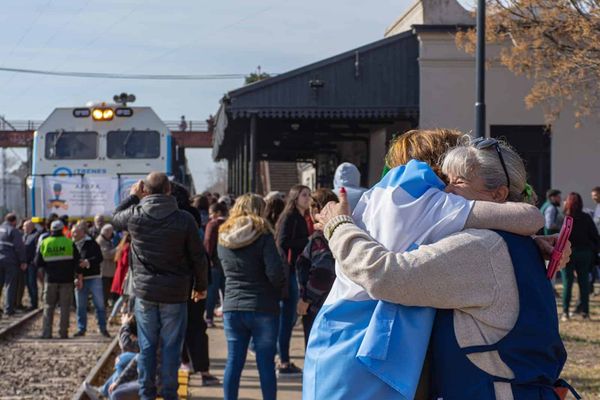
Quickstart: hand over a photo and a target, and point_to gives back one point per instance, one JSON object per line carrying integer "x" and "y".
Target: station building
{"x": 298, "y": 126}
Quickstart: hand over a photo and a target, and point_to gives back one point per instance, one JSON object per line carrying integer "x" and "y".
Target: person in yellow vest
{"x": 59, "y": 258}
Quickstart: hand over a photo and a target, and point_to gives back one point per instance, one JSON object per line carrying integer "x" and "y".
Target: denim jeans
{"x": 287, "y": 319}
{"x": 32, "y": 285}
{"x": 8, "y": 278}
{"x": 240, "y": 326}
{"x": 93, "y": 286}
{"x": 126, "y": 391}
{"x": 164, "y": 323}
{"x": 122, "y": 361}
{"x": 217, "y": 283}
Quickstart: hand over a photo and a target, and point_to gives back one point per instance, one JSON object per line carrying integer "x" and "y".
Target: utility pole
{"x": 480, "y": 74}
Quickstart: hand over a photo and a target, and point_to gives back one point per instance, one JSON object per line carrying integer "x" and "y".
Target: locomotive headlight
{"x": 103, "y": 114}
{"x": 97, "y": 114}
{"x": 108, "y": 114}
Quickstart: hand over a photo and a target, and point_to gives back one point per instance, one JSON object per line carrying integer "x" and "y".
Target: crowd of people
{"x": 64, "y": 261}
{"x": 585, "y": 241}
{"x": 446, "y": 228}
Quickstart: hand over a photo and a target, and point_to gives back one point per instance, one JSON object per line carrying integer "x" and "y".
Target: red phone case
{"x": 565, "y": 232}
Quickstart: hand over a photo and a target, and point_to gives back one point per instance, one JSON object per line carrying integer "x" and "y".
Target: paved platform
{"x": 250, "y": 384}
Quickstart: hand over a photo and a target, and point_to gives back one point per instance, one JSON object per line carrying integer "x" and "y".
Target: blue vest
{"x": 533, "y": 349}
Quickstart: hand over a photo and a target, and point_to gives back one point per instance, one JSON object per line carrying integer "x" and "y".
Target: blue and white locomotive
{"x": 85, "y": 159}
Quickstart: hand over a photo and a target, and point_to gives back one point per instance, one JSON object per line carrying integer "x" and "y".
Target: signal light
{"x": 81, "y": 112}
{"x": 123, "y": 112}
{"x": 103, "y": 114}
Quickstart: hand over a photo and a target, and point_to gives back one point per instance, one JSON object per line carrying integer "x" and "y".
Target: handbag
{"x": 128, "y": 283}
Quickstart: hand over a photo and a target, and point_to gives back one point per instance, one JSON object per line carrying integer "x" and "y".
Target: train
{"x": 85, "y": 159}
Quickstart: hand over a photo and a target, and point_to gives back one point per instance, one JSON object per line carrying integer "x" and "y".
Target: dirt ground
{"x": 34, "y": 369}
{"x": 582, "y": 340}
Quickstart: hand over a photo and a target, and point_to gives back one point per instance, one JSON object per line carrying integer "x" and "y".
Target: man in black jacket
{"x": 91, "y": 258}
{"x": 30, "y": 240}
{"x": 12, "y": 257}
{"x": 166, "y": 253}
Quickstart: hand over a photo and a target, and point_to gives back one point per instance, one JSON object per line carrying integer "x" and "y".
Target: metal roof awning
{"x": 376, "y": 82}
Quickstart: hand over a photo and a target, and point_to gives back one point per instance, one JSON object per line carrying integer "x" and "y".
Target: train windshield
{"x": 66, "y": 145}
{"x": 133, "y": 144}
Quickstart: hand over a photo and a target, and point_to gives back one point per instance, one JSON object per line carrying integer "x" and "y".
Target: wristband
{"x": 334, "y": 223}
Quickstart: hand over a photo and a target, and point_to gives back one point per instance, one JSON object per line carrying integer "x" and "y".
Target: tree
{"x": 556, "y": 43}
{"x": 256, "y": 76}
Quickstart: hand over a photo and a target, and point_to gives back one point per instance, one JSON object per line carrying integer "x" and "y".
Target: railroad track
{"x": 104, "y": 368}
{"x": 34, "y": 368}
{"x": 101, "y": 371}
{"x": 13, "y": 323}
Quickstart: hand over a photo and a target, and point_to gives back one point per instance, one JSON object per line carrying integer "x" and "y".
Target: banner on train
{"x": 80, "y": 196}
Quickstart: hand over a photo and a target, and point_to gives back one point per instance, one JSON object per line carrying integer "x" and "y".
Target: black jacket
{"x": 254, "y": 276}
{"x": 166, "y": 251}
{"x": 31, "y": 240}
{"x": 90, "y": 250}
{"x": 585, "y": 234}
{"x": 128, "y": 337}
{"x": 12, "y": 249}
{"x": 292, "y": 236}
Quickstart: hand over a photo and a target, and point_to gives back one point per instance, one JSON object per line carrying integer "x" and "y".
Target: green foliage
{"x": 255, "y": 77}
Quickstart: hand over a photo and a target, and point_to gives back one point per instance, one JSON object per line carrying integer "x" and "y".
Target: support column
{"x": 229, "y": 176}
{"x": 234, "y": 166}
{"x": 252, "y": 165}
{"x": 239, "y": 178}
{"x": 245, "y": 152}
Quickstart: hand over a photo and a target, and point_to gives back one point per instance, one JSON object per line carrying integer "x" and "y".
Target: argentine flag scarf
{"x": 361, "y": 348}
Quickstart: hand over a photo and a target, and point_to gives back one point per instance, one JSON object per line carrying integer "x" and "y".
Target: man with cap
{"x": 59, "y": 258}
{"x": 12, "y": 257}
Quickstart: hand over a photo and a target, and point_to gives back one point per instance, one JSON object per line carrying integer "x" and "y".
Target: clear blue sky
{"x": 170, "y": 37}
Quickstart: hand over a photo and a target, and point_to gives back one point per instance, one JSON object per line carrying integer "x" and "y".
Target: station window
{"x": 133, "y": 144}
{"x": 65, "y": 145}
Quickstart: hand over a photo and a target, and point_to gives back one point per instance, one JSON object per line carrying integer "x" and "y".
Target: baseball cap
{"x": 57, "y": 225}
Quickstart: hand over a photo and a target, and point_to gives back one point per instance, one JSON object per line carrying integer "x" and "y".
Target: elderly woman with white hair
{"x": 495, "y": 334}
{"x": 108, "y": 266}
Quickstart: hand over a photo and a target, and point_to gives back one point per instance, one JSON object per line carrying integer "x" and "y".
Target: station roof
{"x": 378, "y": 81}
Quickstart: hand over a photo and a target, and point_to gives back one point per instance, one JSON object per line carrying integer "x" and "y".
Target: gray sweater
{"x": 108, "y": 266}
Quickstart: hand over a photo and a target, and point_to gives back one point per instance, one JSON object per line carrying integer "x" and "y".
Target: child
{"x": 315, "y": 266}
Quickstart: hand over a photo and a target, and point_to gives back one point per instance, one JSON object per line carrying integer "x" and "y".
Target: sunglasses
{"x": 486, "y": 143}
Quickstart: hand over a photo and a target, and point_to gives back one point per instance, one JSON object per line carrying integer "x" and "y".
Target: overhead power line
{"x": 106, "y": 75}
